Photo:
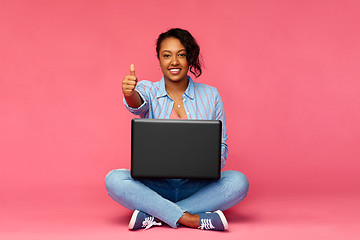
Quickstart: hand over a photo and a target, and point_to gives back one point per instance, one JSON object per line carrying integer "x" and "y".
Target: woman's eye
{"x": 182, "y": 55}
{"x": 166, "y": 55}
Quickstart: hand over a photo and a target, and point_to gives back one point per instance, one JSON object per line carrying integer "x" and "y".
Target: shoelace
{"x": 149, "y": 222}
{"x": 206, "y": 224}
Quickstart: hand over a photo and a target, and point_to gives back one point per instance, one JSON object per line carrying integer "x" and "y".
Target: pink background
{"x": 287, "y": 71}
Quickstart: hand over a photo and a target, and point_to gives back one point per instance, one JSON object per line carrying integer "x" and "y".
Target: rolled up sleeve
{"x": 143, "y": 88}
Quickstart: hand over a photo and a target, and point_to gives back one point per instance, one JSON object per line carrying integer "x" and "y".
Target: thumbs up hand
{"x": 129, "y": 82}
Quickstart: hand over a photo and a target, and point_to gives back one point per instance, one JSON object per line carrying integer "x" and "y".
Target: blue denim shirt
{"x": 201, "y": 101}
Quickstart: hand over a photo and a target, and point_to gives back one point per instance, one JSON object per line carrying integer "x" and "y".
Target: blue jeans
{"x": 168, "y": 199}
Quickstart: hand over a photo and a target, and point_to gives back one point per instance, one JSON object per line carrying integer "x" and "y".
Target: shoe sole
{"x": 223, "y": 219}
{"x": 133, "y": 219}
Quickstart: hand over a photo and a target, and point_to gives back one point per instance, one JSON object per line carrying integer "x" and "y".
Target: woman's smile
{"x": 175, "y": 71}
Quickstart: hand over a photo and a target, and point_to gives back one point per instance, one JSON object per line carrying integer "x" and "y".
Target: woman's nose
{"x": 174, "y": 61}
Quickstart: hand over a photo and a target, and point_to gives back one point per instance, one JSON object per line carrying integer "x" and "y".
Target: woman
{"x": 192, "y": 203}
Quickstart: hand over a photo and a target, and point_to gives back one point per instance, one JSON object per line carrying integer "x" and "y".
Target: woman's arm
{"x": 134, "y": 101}
{"x": 220, "y": 115}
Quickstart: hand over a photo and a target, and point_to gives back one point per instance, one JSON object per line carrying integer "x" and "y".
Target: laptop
{"x": 175, "y": 149}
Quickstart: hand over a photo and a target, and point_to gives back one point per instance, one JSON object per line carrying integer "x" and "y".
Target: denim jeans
{"x": 168, "y": 199}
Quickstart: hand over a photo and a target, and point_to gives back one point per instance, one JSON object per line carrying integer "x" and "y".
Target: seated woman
{"x": 192, "y": 203}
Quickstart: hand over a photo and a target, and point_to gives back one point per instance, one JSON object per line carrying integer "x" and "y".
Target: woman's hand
{"x": 129, "y": 82}
{"x": 132, "y": 97}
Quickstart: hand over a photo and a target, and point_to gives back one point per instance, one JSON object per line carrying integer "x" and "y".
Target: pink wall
{"x": 288, "y": 73}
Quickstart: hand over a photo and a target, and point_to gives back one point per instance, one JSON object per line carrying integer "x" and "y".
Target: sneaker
{"x": 142, "y": 220}
{"x": 213, "y": 221}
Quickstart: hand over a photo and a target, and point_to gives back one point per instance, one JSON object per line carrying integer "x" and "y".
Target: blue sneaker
{"x": 213, "y": 221}
{"x": 142, "y": 220}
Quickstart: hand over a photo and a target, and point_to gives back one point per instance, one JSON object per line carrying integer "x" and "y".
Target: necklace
{"x": 178, "y": 99}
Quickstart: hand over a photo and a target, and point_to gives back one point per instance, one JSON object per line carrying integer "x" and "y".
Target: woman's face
{"x": 173, "y": 62}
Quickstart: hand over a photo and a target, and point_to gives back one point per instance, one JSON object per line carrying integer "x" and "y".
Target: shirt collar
{"x": 189, "y": 92}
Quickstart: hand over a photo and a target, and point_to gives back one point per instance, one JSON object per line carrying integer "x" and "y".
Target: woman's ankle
{"x": 189, "y": 220}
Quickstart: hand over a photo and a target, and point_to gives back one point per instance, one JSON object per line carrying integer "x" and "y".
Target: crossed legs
{"x": 174, "y": 201}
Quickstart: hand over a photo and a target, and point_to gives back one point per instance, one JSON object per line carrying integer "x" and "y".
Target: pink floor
{"x": 88, "y": 213}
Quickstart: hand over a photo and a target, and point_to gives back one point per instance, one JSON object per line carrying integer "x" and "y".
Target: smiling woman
{"x": 190, "y": 45}
{"x": 173, "y": 60}
{"x": 192, "y": 203}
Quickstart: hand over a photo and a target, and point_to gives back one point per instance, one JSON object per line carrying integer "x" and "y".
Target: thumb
{"x": 132, "y": 70}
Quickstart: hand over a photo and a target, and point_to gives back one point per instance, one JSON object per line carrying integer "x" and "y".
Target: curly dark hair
{"x": 190, "y": 44}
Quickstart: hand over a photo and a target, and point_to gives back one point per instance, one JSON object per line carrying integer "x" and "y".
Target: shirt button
{"x": 187, "y": 112}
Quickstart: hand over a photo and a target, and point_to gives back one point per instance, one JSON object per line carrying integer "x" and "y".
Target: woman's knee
{"x": 114, "y": 179}
{"x": 238, "y": 181}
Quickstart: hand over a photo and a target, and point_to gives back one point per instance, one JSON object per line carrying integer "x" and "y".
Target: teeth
{"x": 175, "y": 70}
